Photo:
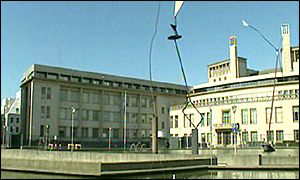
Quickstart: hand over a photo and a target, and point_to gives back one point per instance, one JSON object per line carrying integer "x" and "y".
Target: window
{"x": 116, "y": 116}
{"x": 176, "y": 122}
{"x": 143, "y": 118}
{"x": 226, "y": 116}
{"x": 106, "y": 116}
{"x": 96, "y": 115}
{"x": 268, "y": 114}
{"x": 42, "y": 111}
{"x": 134, "y": 133}
{"x": 134, "y": 117}
{"x": 75, "y": 79}
{"x": 62, "y": 131}
{"x": 295, "y": 113}
{"x": 209, "y": 137}
{"x": 11, "y": 120}
{"x": 270, "y": 136}
{"x": 278, "y": 115}
{"x": 48, "y": 112}
{"x": 95, "y": 132}
{"x": 17, "y": 120}
{"x": 48, "y": 93}
{"x": 143, "y": 102}
{"x": 208, "y": 123}
{"x": 43, "y": 92}
{"x": 63, "y": 113}
{"x": 203, "y": 138}
{"x": 105, "y": 133}
{"x": 202, "y": 119}
{"x": 163, "y": 110}
{"x": 42, "y": 130}
{"x": 84, "y": 132}
{"x": 296, "y": 135}
{"x": 74, "y": 96}
{"x": 279, "y": 135}
{"x": 115, "y": 133}
{"x": 245, "y": 137}
{"x": 11, "y": 129}
{"x": 171, "y": 121}
{"x": 244, "y": 116}
{"x": 253, "y": 116}
{"x": 17, "y": 129}
{"x": 63, "y": 95}
{"x": 162, "y": 125}
{"x": 191, "y": 119}
{"x": 106, "y": 99}
{"x": 254, "y": 136}
{"x": 116, "y": 100}
{"x": 52, "y": 76}
{"x": 133, "y": 101}
{"x": 17, "y": 110}
{"x": 143, "y": 133}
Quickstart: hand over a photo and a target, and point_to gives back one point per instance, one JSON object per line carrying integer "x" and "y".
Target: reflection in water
{"x": 187, "y": 174}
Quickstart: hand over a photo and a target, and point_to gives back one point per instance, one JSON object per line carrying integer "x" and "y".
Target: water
{"x": 195, "y": 174}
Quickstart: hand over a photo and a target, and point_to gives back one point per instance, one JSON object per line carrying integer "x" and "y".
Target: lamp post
{"x": 246, "y": 24}
{"x": 72, "y": 130}
{"x": 109, "y": 137}
{"x": 234, "y": 128}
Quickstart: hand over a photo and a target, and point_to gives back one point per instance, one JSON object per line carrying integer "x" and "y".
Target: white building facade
{"x": 238, "y": 96}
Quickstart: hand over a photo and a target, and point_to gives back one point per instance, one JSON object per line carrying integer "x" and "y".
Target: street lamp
{"x": 109, "y": 137}
{"x": 268, "y": 147}
{"x": 234, "y": 129}
{"x": 72, "y": 135}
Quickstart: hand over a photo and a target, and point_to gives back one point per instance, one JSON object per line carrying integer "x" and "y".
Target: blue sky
{"x": 114, "y": 37}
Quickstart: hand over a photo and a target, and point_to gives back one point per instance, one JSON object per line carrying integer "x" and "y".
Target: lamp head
{"x": 245, "y": 23}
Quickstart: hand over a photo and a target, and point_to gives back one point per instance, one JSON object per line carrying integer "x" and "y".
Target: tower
{"x": 286, "y": 49}
{"x": 233, "y": 57}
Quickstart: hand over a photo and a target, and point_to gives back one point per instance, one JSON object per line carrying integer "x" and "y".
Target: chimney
{"x": 286, "y": 49}
{"x": 233, "y": 57}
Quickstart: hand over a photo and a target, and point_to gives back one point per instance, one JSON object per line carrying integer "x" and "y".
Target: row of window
{"x": 227, "y": 99}
{"x": 246, "y": 84}
{"x": 219, "y": 70}
{"x": 252, "y": 136}
{"x": 247, "y": 116}
{"x": 106, "y": 132}
{"x": 106, "y": 83}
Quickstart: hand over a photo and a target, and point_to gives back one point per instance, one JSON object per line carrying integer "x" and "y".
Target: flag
{"x": 178, "y": 5}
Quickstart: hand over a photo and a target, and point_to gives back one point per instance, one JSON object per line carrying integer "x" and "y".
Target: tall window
{"x": 254, "y": 136}
{"x": 176, "y": 122}
{"x": 134, "y": 117}
{"x": 268, "y": 114}
{"x": 253, "y": 116}
{"x": 48, "y": 93}
{"x": 143, "y": 102}
{"x": 96, "y": 115}
{"x": 115, "y": 133}
{"x": 245, "y": 137}
{"x": 226, "y": 116}
{"x": 271, "y": 136}
{"x": 163, "y": 110}
{"x": 106, "y": 98}
{"x": 278, "y": 115}
{"x": 48, "y": 112}
{"x": 208, "y": 119}
{"x": 106, "y": 116}
{"x": 62, "y": 131}
{"x": 171, "y": 121}
{"x": 279, "y": 135}
{"x": 143, "y": 118}
{"x": 84, "y": 132}
{"x": 95, "y": 132}
{"x": 116, "y": 116}
{"x": 43, "y": 92}
{"x": 162, "y": 125}
{"x": 42, "y": 111}
{"x": 202, "y": 117}
{"x": 42, "y": 130}
{"x": 244, "y": 116}
{"x": 74, "y": 96}
{"x": 63, "y": 113}
{"x": 63, "y": 95}
{"x": 295, "y": 113}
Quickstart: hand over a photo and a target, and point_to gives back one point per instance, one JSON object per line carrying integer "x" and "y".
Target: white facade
{"x": 232, "y": 86}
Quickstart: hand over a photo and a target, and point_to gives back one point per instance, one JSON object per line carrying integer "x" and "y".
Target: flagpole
{"x": 125, "y": 106}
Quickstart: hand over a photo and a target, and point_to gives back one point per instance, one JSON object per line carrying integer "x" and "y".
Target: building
{"x": 10, "y": 116}
{"x": 235, "y": 104}
{"x": 50, "y": 93}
